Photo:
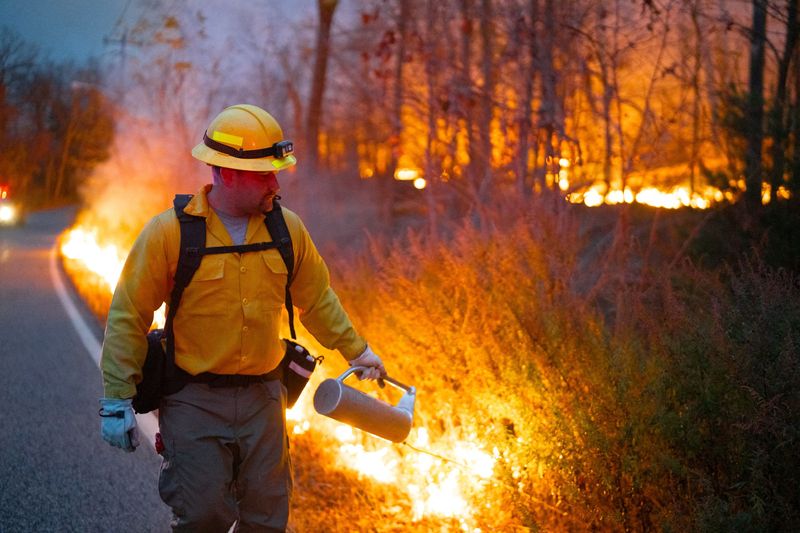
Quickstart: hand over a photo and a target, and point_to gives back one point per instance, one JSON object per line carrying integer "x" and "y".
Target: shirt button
{"x": 244, "y": 301}
{"x": 245, "y": 328}
{"x": 243, "y": 269}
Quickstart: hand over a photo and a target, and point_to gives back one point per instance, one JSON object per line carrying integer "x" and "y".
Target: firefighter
{"x": 225, "y": 448}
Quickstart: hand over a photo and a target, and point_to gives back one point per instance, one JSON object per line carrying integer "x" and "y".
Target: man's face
{"x": 253, "y": 192}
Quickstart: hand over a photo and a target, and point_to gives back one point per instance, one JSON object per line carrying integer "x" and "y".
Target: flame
{"x": 445, "y": 492}
{"x": 782, "y": 193}
{"x": 674, "y": 198}
{"x": 702, "y": 197}
{"x": 105, "y": 261}
{"x": 439, "y": 487}
{"x": 441, "y": 478}
{"x": 406, "y": 174}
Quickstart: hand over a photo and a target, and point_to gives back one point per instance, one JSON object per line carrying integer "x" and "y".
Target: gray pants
{"x": 226, "y": 458}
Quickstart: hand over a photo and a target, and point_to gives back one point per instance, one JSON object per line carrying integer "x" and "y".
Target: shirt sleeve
{"x": 142, "y": 287}
{"x": 321, "y": 312}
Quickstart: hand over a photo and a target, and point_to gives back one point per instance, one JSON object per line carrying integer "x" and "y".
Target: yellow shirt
{"x": 229, "y": 316}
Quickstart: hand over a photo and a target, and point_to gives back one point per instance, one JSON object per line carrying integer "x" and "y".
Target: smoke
{"x": 184, "y": 62}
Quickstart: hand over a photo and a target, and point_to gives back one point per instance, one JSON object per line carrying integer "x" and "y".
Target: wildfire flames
{"x": 599, "y": 193}
{"x": 438, "y": 482}
{"x": 697, "y": 197}
{"x": 439, "y": 477}
{"x": 679, "y": 196}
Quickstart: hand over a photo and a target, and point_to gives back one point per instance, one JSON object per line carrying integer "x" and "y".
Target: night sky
{"x": 66, "y": 30}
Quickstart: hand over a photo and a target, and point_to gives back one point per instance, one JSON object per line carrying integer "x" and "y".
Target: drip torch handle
{"x": 385, "y": 378}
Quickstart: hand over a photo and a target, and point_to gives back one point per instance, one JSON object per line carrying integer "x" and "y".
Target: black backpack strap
{"x": 276, "y": 226}
{"x": 237, "y": 248}
{"x": 193, "y": 240}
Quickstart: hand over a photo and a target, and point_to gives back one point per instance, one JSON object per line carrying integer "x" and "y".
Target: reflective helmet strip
{"x": 227, "y": 138}
{"x": 287, "y": 161}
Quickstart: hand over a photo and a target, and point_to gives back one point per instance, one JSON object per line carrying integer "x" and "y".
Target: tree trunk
{"x": 69, "y": 135}
{"x": 755, "y": 107}
{"x": 550, "y": 110}
{"x": 608, "y": 95}
{"x": 386, "y": 183}
{"x": 399, "y": 81}
{"x": 779, "y": 112}
{"x": 327, "y": 9}
{"x": 614, "y": 60}
{"x": 794, "y": 132}
{"x": 523, "y": 186}
{"x": 487, "y": 99}
{"x": 431, "y": 70}
{"x": 465, "y": 86}
{"x": 695, "y": 149}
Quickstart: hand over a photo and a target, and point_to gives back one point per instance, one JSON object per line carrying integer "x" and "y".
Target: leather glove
{"x": 369, "y": 359}
{"x": 118, "y": 423}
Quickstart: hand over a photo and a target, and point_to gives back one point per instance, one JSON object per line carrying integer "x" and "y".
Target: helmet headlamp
{"x": 278, "y": 150}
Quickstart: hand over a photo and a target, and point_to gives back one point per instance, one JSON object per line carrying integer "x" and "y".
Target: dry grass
{"x": 617, "y": 386}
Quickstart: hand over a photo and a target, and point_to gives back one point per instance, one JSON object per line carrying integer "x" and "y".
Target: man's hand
{"x": 369, "y": 359}
{"x": 118, "y": 423}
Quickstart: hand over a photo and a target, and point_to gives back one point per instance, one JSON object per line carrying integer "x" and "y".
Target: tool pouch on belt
{"x": 154, "y": 382}
{"x": 297, "y": 366}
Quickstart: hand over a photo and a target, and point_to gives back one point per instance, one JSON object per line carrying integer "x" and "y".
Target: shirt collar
{"x": 198, "y": 205}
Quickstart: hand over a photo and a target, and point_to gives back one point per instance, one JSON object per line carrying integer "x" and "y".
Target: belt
{"x": 234, "y": 380}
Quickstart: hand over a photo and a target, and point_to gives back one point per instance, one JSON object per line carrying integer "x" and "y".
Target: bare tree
{"x": 17, "y": 59}
{"x": 531, "y": 34}
{"x": 483, "y": 154}
{"x": 778, "y": 119}
{"x": 466, "y": 97}
{"x": 755, "y": 106}
{"x": 326, "y": 9}
{"x": 694, "y": 11}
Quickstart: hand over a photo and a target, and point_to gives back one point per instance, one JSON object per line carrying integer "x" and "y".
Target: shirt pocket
{"x": 211, "y": 268}
{"x": 273, "y": 282}
{"x": 206, "y": 291}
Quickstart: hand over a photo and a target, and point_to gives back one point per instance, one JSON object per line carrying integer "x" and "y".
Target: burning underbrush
{"x": 345, "y": 480}
{"x": 557, "y": 389}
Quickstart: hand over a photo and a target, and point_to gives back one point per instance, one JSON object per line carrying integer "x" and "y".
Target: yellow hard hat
{"x": 245, "y": 137}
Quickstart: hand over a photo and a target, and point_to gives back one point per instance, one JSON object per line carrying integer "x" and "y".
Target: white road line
{"x": 148, "y": 422}
{"x": 85, "y": 334}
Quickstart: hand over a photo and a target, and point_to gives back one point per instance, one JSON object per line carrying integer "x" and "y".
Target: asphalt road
{"x": 56, "y": 473}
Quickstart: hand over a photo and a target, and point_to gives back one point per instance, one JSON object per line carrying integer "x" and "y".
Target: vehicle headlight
{"x": 7, "y": 213}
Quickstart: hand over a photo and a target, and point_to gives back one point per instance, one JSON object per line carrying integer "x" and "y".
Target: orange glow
{"x": 436, "y": 487}
{"x": 766, "y": 193}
